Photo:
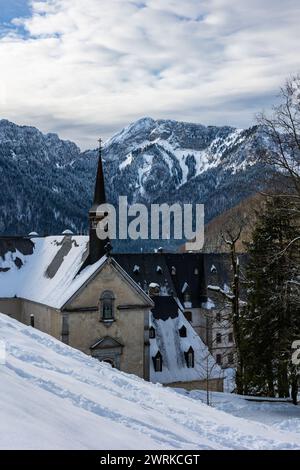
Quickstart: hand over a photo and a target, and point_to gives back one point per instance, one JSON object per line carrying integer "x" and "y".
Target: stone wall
{"x": 214, "y": 385}
{"x": 11, "y": 307}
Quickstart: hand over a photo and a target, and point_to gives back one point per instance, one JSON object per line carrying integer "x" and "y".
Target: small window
{"x": 218, "y": 338}
{"x": 230, "y": 337}
{"x": 219, "y": 359}
{"x": 196, "y": 271}
{"x": 32, "y": 320}
{"x": 187, "y": 297}
{"x": 218, "y": 316}
{"x": 159, "y": 269}
{"x": 157, "y": 362}
{"x": 154, "y": 289}
{"x": 182, "y": 332}
{"x": 136, "y": 269}
{"x": 173, "y": 271}
{"x": 189, "y": 357}
{"x": 230, "y": 358}
{"x": 188, "y": 316}
{"x": 151, "y": 332}
{"x": 107, "y": 306}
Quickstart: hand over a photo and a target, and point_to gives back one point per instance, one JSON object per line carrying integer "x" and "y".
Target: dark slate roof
{"x": 185, "y": 265}
{"x": 189, "y": 269}
{"x": 164, "y": 307}
{"x": 148, "y": 273}
{"x": 218, "y": 269}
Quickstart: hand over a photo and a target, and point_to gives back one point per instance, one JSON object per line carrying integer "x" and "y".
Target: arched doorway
{"x": 109, "y": 361}
{"x": 108, "y": 350}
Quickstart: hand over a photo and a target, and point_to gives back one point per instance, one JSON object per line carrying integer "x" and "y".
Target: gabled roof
{"x": 49, "y": 270}
{"x": 120, "y": 270}
{"x": 106, "y": 343}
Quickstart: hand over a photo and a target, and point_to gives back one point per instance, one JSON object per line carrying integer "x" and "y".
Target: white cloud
{"x": 89, "y": 67}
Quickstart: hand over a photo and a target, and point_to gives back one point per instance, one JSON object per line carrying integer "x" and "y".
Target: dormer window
{"x": 182, "y": 332}
{"x": 189, "y": 358}
{"x": 157, "y": 362}
{"x": 107, "y": 306}
{"x": 136, "y": 269}
{"x": 151, "y": 332}
{"x": 154, "y": 289}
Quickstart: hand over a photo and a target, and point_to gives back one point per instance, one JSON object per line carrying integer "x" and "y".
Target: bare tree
{"x": 233, "y": 298}
{"x": 282, "y": 128}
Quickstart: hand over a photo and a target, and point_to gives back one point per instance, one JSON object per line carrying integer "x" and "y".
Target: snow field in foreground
{"x": 55, "y": 397}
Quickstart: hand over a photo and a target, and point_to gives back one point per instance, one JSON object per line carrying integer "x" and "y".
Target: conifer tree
{"x": 272, "y": 319}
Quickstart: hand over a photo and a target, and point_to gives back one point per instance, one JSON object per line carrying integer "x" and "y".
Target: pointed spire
{"x": 99, "y": 195}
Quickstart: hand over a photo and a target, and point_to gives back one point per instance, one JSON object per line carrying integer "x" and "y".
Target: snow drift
{"x": 55, "y": 397}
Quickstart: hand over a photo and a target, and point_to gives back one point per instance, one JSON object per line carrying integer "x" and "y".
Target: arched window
{"x": 157, "y": 362}
{"x": 189, "y": 357}
{"x": 107, "y": 306}
{"x": 182, "y": 332}
{"x": 151, "y": 332}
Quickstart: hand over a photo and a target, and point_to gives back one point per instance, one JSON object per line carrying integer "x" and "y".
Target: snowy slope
{"x": 53, "y": 396}
{"x": 278, "y": 413}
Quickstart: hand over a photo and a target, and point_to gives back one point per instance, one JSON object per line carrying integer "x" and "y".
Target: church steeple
{"x": 97, "y": 246}
{"x": 99, "y": 195}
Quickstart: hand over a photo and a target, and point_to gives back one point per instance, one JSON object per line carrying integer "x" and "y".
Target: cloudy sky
{"x": 85, "y": 68}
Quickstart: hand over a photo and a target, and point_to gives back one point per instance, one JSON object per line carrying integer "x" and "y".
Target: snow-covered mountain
{"x": 171, "y": 161}
{"x": 55, "y": 397}
{"x": 47, "y": 183}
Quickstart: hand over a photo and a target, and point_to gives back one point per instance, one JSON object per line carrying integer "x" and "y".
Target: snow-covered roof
{"x": 172, "y": 348}
{"x": 50, "y": 274}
